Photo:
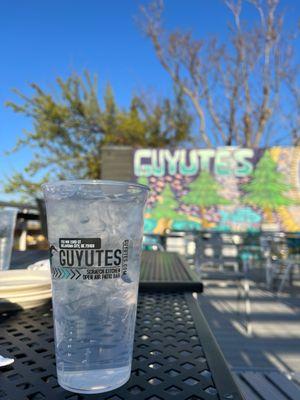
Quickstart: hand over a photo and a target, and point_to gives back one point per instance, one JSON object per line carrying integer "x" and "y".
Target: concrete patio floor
{"x": 275, "y": 341}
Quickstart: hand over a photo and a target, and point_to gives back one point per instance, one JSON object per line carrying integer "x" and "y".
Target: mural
{"x": 223, "y": 189}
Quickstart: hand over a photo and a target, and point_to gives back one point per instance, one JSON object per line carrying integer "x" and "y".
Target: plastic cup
{"x": 95, "y": 233}
{"x": 7, "y": 227}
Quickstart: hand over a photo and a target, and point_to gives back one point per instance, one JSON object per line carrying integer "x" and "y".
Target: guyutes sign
{"x": 227, "y": 189}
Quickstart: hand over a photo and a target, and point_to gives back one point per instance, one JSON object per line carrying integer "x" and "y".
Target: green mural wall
{"x": 225, "y": 189}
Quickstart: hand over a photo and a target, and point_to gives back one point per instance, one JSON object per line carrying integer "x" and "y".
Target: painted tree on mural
{"x": 143, "y": 180}
{"x": 165, "y": 209}
{"x": 166, "y": 205}
{"x": 204, "y": 193}
{"x": 267, "y": 189}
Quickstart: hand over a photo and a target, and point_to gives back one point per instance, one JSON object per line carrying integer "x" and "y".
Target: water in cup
{"x": 95, "y": 232}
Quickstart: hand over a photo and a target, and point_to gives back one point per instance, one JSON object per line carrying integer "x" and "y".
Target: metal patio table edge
{"x": 223, "y": 378}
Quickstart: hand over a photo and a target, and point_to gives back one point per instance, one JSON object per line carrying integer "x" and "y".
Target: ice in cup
{"x": 95, "y": 231}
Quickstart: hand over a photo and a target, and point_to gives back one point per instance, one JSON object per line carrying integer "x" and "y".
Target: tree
{"x": 237, "y": 87}
{"x": 142, "y": 180}
{"x": 166, "y": 205}
{"x": 165, "y": 209}
{"x": 292, "y": 114}
{"x": 204, "y": 193}
{"x": 267, "y": 188}
{"x": 70, "y": 128}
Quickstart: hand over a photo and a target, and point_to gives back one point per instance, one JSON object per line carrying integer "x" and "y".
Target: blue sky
{"x": 43, "y": 39}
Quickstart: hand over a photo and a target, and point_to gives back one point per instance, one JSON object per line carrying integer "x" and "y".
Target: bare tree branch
{"x": 235, "y": 88}
{"x": 170, "y": 57}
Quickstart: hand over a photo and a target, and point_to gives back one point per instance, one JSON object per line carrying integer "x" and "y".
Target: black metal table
{"x": 175, "y": 355}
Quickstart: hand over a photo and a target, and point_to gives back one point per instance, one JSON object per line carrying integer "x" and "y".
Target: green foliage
{"x": 166, "y": 207}
{"x": 267, "y": 187}
{"x": 204, "y": 192}
{"x": 25, "y": 188}
{"x": 71, "y": 126}
{"x": 143, "y": 180}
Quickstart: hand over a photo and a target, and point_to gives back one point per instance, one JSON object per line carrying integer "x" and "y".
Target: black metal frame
{"x": 166, "y": 286}
{"x": 223, "y": 379}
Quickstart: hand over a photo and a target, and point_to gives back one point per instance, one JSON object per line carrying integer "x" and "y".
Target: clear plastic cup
{"x": 95, "y": 234}
{"x": 7, "y": 228}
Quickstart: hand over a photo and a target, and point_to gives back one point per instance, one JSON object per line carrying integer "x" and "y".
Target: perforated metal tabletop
{"x": 175, "y": 355}
{"x": 167, "y": 271}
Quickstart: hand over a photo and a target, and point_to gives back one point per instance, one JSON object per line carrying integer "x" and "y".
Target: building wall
{"x": 225, "y": 189}
{"x": 117, "y": 163}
